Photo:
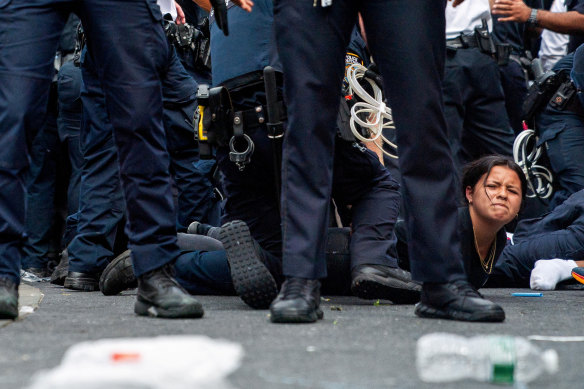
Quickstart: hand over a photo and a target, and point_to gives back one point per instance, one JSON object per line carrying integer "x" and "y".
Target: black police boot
{"x": 159, "y": 295}
{"x": 118, "y": 275}
{"x": 60, "y": 272}
{"x": 297, "y": 302}
{"x": 8, "y": 299}
{"x": 252, "y": 280}
{"x": 85, "y": 282}
{"x": 457, "y": 300}
{"x": 384, "y": 282}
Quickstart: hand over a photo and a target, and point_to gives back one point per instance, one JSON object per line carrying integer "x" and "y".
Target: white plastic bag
{"x": 178, "y": 362}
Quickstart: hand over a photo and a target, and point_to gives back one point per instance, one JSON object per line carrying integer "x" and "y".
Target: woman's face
{"x": 497, "y": 199}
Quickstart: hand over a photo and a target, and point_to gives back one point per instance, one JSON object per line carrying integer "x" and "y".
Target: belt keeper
{"x": 238, "y": 124}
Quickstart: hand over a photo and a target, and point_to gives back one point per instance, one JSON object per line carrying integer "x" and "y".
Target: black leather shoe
{"x": 8, "y": 299}
{"x": 297, "y": 302}
{"x": 159, "y": 295}
{"x": 457, "y": 301}
{"x": 252, "y": 280}
{"x": 60, "y": 272}
{"x": 384, "y": 282}
{"x": 85, "y": 282}
{"x": 118, "y": 275}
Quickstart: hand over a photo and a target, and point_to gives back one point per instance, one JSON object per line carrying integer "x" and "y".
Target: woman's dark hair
{"x": 473, "y": 171}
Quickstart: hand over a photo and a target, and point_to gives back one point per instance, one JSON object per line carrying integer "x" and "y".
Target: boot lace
{"x": 293, "y": 287}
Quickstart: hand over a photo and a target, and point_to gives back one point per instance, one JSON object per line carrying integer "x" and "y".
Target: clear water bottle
{"x": 445, "y": 357}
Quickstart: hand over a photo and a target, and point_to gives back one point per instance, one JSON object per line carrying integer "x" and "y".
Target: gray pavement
{"x": 359, "y": 344}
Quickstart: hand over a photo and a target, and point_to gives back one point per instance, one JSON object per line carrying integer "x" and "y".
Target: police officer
{"x": 474, "y": 103}
{"x": 561, "y": 129}
{"x": 513, "y": 72}
{"x": 360, "y": 181}
{"x": 101, "y": 212}
{"x": 312, "y": 37}
{"x": 569, "y": 22}
{"x": 130, "y": 71}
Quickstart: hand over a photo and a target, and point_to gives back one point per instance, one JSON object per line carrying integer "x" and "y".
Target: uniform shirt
{"x": 512, "y": 32}
{"x": 552, "y": 121}
{"x": 356, "y": 53}
{"x": 167, "y": 7}
{"x": 575, "y": 39}
{"x": 464, "y": 18}
{"x": 553, "y": 45}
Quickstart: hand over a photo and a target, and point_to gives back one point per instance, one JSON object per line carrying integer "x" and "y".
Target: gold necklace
{"x": 489, "y": 260}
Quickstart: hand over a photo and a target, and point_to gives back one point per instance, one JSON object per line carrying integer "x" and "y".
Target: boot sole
{"x": 125, "y": 278}
{"x": 491, "y": 315}
{"x": 296, "y": 316}
{"x": 251, "y": 279}
{"x": 193, "y": 311}
{"x": 371, "y": 287}
{"x": 85, "y": 285}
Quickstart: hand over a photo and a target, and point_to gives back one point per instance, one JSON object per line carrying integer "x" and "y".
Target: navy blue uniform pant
{"x": 474, "y": 105}
{"x": 412, "y": 63}
{"x": 558, "y": 234}
{"x": 69, "y": 126}
{"x": 563, "y": 135}
{"x": 45, "y": 195}
{"x": 132, "y": 54}
{"x": 54, "y": 172}
{"x": 515, "y": 89}
{"x": 360, "y": 182}
{"x": 102, "y": 209}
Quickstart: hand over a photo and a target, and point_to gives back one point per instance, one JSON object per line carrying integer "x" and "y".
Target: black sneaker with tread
{"x": 251, "y": 278}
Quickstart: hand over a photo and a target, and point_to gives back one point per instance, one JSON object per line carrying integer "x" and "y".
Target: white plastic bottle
{"x": 443, "y": 357}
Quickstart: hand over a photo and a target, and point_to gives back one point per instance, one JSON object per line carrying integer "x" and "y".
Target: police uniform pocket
{"x": 153, "y": 8}
{"x": 4, "y": 3}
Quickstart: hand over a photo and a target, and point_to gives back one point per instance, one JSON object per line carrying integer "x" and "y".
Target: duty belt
{"x": 462, "y": 42}
{"x": 258, "y": 116}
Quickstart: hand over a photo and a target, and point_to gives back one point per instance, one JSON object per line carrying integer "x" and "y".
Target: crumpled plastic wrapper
{"x": 178, "y": 362}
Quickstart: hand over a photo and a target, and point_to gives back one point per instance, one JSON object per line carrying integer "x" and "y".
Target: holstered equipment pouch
{"x": 213, "y": 119}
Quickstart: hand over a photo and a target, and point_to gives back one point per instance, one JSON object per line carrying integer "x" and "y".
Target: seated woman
{"x": 543, "y": 251}
{"x": 493, "y": 188}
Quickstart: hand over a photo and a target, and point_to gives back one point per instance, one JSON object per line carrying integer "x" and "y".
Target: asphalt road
{"x": 359, "y": 344}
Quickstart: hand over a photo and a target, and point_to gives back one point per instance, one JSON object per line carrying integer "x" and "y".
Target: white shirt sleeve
{"x": 464, "y": 18}
{"x": 167, "y": 7}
